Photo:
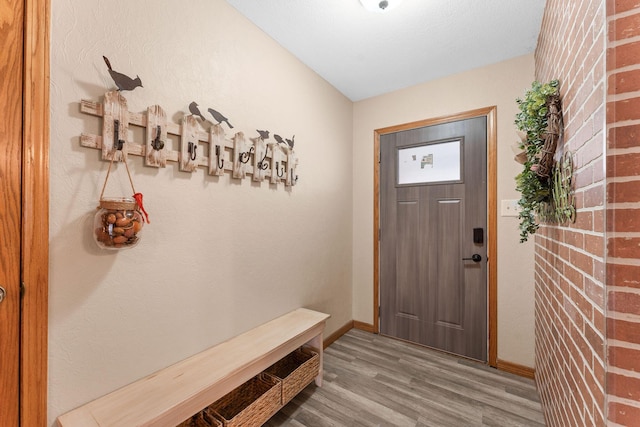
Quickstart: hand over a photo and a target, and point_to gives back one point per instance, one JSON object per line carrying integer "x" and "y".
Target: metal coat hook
{"x": 262, "y": 164}
{"x": 157, "y": 144}
{"x": 192, "y": 149}
{"x": 278, "y": 170}
{"x": 294, "y": 178}
{"x": 244, "y": 157}
{"x": 117, "y": 142}
{"x": 220, "y": 160}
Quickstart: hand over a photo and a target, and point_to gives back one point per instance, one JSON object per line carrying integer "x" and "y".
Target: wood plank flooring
{"x": 370, "y": 380}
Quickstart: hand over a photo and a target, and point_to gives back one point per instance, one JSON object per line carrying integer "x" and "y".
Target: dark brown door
{"x": 433, "y": 223}
{"x": 11, "y": 54}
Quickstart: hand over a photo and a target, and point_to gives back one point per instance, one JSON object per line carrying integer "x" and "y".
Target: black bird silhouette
{"x": 123, "y": 82}
{"x": 219, "y": 117}
{"x": 290, "y": 141}
{"x": 264, "y": 134}
{"x": 279, "y": 139}
{"x": 193, "y": 108}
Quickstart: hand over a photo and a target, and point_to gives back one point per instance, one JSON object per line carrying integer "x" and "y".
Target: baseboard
{"x": 337, "y": 334}
{"x": 367, "y": 327}
{"x": 514, "y": 368}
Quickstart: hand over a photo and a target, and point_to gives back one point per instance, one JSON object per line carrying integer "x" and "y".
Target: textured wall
{"x": 570, "y": 325}
{"x": 623, "y": 212}
{"x": 498, "y": 84}
{"x": 220, "y": 256}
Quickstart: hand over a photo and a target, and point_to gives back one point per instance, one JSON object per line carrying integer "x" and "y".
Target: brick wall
{"x": 570, "y": 269}
{"x": 623, "y": 212}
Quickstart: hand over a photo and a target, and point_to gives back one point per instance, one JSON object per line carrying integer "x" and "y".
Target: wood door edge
{"x": 35, "y": 215}
{"x": 492, "y": 216}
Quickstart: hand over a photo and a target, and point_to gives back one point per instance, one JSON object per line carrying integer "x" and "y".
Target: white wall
{"x": 220, "y": 256}
{"x": 499, "y": 84}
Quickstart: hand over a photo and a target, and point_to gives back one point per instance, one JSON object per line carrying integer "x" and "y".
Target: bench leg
{"x": 316, "y": 344}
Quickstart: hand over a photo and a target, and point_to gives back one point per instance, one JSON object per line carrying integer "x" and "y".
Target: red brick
{"x": 573, "y": 314}
{"x": 563, "y": 252}
{"x": 598, "y": 221}
{"x": 594, "y": 244}
{"x": 624, "y": 247}
{"x": 593, "y": 102}
{"x": 573, "y": 238}
{"x": 624, "y": 164}
{"x": 583, "y": 346}
{"x": 618, "y": 6}
{"x": 623, "y": 386}
{"x": 595, "y": 340}
{"x": 599, "y": 69}
{"x": 623, "y": 55}
{"x": 594, "y": 197}
{"x": 622, "y": 275}
{"x": 626, "y": 81}
{"x": 598, "y": 121}
{"x": 624, "y": 415}
{"x": 624, "y": 302}
{"x": 570, "y": 369}
{"x": 584, "y": 220}
{"x": 598, "y": 171}
{"x": 582, "y": 262}
{"x": 594, "y": 291}
{"x": 599, "y": 320}
{"x": 599, "y": 373}
{"x": 624, "y": 136}
{"x": 623, "y": 220}
{"x": 590, "y": 148}
{"x": 623, "y": 192}
{"x": 623, "y": 330}
{"x": 573, "y": 276}
{"x": 625, "y": 109}
{"x": 582, "y": 303}
{"x": 598, "y": 271}
{"x": 624, "y": 28}
{"x": 578, "y": 200}
{"x": 624, "y": 358}
{"x": 598, "y": 417}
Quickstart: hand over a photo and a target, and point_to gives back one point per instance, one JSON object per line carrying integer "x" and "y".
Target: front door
{"x": 433, "y": 226}
{"x": 11, "y": 54}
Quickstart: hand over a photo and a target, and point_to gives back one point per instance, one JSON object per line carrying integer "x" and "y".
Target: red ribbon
{"x": 138, "y": 197}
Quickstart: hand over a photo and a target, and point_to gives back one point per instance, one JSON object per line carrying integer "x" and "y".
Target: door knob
{"x": 2, "y": 293}
{"x": 474, "y": 258}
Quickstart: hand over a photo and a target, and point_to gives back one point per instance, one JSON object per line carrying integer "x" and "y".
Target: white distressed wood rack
{"x": 242, "y": 156}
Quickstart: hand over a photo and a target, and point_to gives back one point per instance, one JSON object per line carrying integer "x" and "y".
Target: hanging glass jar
{"x": 118, "y": 223}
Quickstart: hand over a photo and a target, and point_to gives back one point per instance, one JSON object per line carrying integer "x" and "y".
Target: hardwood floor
{"x": 370, "y": 380}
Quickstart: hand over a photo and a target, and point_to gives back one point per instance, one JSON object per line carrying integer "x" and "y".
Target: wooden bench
{"x": 173, "y": 394}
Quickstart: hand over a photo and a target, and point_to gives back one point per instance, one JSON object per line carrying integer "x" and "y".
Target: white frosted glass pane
{"x": 429, "y": 163}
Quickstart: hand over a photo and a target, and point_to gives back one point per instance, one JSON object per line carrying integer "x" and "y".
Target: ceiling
{"x": 364, "y": 54}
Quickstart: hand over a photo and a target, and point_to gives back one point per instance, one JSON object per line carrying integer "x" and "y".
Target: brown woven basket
{"x": 296, "y": 371}
{"x": 201, "y": 420}
{"x": 249, "y": 405}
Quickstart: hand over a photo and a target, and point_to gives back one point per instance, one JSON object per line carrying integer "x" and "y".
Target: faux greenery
{"x": 532, "y": 120}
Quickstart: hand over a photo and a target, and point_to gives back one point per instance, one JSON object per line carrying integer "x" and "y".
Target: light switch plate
{"x": 509, "y": 208}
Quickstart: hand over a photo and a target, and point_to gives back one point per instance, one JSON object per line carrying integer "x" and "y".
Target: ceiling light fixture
{"x": 379, "y": 5}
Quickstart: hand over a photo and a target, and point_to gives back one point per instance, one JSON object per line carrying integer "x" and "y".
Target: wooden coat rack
{"x": 274, "y": 161}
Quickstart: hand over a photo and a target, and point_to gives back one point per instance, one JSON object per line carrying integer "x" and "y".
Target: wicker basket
{"x": 201, "y": 420}
{"x": 249, "y": 405}
{"x": 295, "y": 371}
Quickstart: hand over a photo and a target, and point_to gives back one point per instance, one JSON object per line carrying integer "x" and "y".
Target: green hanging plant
{"x": 534, "y": 183}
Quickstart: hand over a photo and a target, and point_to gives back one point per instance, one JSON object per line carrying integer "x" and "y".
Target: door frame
{"x": 35, "y": 215}
{"x": 492, "y": 215}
